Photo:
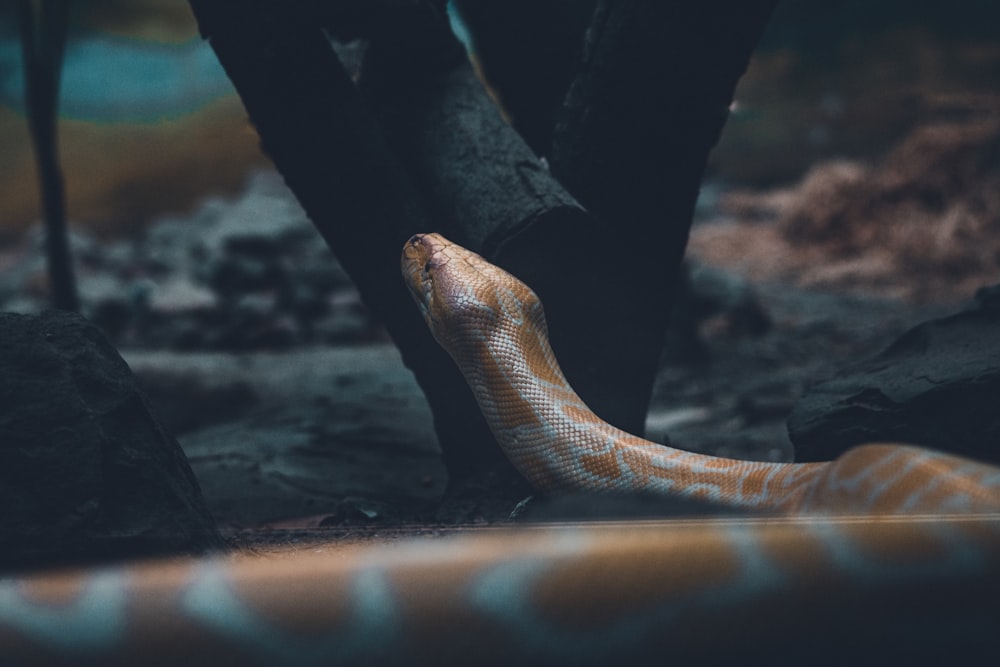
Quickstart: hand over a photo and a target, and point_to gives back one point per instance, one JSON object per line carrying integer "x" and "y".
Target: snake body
{"x": 886, "y": 587}
{"x": 494, "y": 327}
{"x": 891, "y": 590}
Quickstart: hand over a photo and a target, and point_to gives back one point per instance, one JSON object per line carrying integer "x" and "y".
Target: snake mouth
{"x": 418, "y": 263}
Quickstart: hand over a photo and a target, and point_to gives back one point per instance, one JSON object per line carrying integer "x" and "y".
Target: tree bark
{"x": 529, "y": 50}
{"x": 645, "y": 110}
{"x": 314, "y": 125}
{"x": 483, "y": 187}
{"x": 423, "y": 148}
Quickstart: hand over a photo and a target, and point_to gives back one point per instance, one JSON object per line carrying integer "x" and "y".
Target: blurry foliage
{"x": 163, "y": 20}
{"x": 816, "y": 28}
{"x": 831, "y": 79}
{"x": 850, "y": 79}
{"x": 157, "y": 20}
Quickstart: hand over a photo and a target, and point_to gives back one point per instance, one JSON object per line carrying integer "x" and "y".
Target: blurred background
{"x": 155, "y": 144}
{"x": 150, "y": 124}
{"x": 850, "y": 79}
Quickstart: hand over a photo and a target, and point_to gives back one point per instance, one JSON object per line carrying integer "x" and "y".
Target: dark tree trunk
{"x": 648, "y": 105}
{"x": 315, "y": 127}
{"x": 529, "y": 50}
{"x": 435, "y": 155}
{"x": 484, "y": 188}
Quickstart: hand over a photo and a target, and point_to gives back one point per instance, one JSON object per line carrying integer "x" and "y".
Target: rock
{"x": 987, "y": 297}
{"x": 23, "y": 304}
{"x": 105, "y": 302}
{"x": 86, "y": 471}
{"x": 937, "y": 386}
{"x": 185, "y": 283}
{"x": 346, "y": 319}
{"x": 261, "y": 222}
{"x": 179, "y": 295}
{"x": 233, "y": 274}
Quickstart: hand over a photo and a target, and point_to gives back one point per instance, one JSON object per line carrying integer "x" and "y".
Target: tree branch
{"x": 43, "y": 38}
{"x": 529, "y": 50}
{"x": 484, "y": 188}
{"x": 315, "y": 127}
{"x": 647, "y": 106}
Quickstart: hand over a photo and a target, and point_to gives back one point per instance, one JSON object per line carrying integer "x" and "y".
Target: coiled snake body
{"x": 915, "y": 578}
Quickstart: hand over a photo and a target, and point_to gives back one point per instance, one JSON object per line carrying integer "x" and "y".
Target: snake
{"x": 493, "y": 326}
{"x": 888, "y": 553}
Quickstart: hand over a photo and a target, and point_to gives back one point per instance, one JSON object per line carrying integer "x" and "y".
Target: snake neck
{"x": 555, "y": 441}
{"x": 526, "y": 400}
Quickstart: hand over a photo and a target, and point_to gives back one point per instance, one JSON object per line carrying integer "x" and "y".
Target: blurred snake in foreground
{"x": 890, "y": 553}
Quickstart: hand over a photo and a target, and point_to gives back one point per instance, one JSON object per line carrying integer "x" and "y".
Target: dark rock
{"x": 345, "y": 324}
{"x": 234, "y": 274}
{"x": 987, "y": 297}
{"x": 249, "y": 272}
{"x": 937, "y": 386}
{"x": 106, "y": 302}
{"x": 179, "y": 295}
{"x": 756, "y": 408}
{"x": 86, "y": 472}
{"x": 305, "y": 302}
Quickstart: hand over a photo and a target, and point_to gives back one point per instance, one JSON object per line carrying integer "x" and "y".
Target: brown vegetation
{"x": 120, "y": 176}
{"x": 924, "y": 223}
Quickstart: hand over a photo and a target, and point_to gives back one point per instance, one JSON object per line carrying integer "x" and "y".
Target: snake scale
{"x": 888, "y": 553}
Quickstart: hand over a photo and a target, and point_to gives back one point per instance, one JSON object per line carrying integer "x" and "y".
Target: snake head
{"x": 433, "y": 281}
{"x": 437, "y": 273}
{"x": 417, "y": 266}
{"x": 461, "y": 295}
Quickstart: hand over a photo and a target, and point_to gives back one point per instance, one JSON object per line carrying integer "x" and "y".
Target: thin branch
{"x": 43, "y": 27}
